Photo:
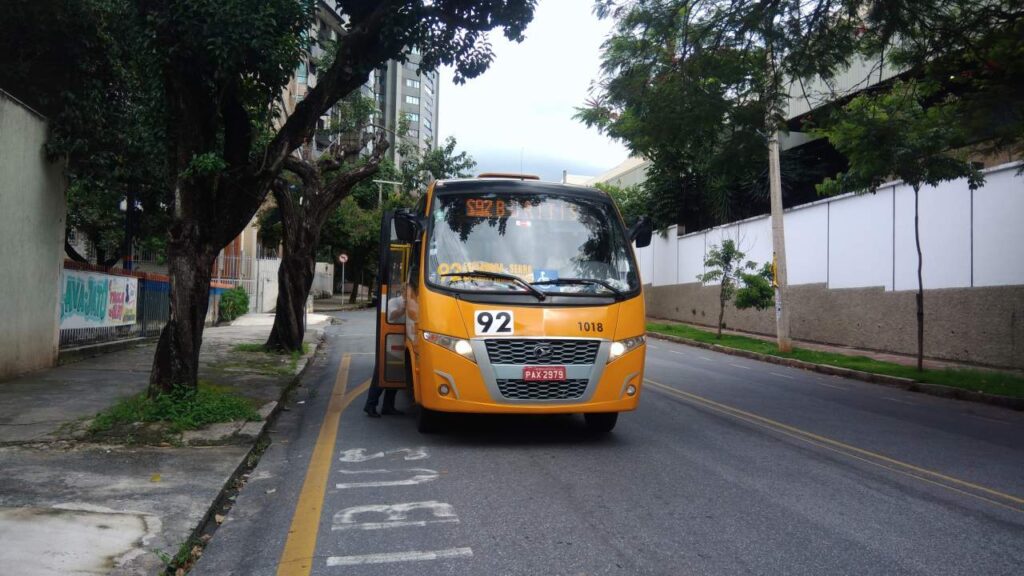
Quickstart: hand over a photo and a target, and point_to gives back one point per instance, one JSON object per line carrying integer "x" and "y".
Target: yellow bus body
{"x": 434, "y": 368}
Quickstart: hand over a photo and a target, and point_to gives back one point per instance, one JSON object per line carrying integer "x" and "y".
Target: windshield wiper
{"x": 500, "y": 276}
{"x": 565, "y": 281}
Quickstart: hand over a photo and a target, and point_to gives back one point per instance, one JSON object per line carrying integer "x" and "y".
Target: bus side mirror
{"x": 641, "y": 232}
{"x": 407, "y": 226}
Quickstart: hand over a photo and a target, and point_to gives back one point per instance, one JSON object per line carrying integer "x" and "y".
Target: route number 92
{"x": 494, "y": 322}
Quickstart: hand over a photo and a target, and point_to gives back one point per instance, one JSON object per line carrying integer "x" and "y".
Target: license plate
{"x": 543, "y": 373}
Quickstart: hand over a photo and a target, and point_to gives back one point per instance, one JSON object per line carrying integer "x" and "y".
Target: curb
{"x": 72, "y": 355}
{"x": 207, "y": 524}
{"x": 912, "y": 385}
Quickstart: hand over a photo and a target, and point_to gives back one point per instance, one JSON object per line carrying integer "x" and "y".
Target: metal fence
{"x": 152, "y": 313}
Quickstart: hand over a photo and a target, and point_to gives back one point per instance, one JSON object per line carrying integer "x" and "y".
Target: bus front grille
{"x": 541, "y": 352}
{"x": 554, "y": 390}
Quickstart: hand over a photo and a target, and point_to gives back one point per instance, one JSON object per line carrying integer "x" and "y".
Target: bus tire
{"x": 429, "y": 421}
{"x": 601, "y": 422}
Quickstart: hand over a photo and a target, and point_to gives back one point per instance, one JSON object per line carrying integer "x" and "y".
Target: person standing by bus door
{"x": 396, "y": 312}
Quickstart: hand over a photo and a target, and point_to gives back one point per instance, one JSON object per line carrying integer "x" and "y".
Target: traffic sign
{"x": 342, "y": 258}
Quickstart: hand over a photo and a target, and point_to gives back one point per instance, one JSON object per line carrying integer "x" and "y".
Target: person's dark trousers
{"x": 373, "y": 397}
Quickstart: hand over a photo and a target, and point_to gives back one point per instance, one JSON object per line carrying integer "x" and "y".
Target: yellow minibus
{"x": 504, "y": 294}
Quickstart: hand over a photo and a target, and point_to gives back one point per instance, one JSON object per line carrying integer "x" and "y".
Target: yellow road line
{"x": 929, "y": 476}
{"x": 297, "y": 557}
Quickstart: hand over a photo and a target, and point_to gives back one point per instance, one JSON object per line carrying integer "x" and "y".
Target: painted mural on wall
{"x": 94, "y": 300}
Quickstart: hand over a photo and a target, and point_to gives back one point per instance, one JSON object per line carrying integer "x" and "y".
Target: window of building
{"x": 412, "y": 100}
{"x": 428, "y": 89}
{"x": 412, "y": 83}
{"x": 426, "y": 122}
{"x": 412, "y": 116}
{"x": 301, "y": 73}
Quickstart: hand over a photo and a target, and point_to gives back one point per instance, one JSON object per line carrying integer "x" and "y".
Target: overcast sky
{"x": 525, "y": 101}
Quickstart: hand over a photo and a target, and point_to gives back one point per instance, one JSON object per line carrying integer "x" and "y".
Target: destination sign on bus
{"x": 525, "y": 211}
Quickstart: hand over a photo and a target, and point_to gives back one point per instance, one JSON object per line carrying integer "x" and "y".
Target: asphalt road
{"x": 729, "y": 466}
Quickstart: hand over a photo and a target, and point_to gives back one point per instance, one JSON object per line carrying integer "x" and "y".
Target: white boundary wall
{"x": 856, "y": 241}
{"x": 31, "y": 241}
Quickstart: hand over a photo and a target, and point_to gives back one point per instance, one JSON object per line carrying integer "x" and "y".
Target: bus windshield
{"x": 562, "y": 244}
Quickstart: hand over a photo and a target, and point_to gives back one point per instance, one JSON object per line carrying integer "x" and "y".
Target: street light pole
{"x": 380, "y": 194}
{"x": 778, "y": 245}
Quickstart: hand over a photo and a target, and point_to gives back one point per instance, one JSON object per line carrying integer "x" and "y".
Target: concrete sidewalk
{"x": 73, "y": 506}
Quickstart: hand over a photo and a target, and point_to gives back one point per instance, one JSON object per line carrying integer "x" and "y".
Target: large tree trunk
{"x": 354, "y": 294}
{"x": 920, "y": 286}
{"x": 295, "y": 279}
{"x": 176, "y": 362}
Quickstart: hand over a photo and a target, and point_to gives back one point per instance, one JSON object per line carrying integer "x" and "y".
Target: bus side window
{"x": 417, "y": 248}
{"x": 414, "y": 264}
{"x": 396, "y": 288}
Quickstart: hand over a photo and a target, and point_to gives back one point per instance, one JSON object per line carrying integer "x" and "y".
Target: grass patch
{"x": 252, "y": 347}
{"x": 179, "y": 410}
{"x": 991, "y": 382}
{"x": 272, "y": 366}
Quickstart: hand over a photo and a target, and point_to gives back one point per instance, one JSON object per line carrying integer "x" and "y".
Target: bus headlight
{"x": 620, "y": 347}
{"x": 458, "y": 345}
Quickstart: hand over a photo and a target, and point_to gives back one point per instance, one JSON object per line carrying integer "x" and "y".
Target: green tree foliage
{"x": 72, "y": 62}
{"x": 736, "y": 279}
{"x": 354, "y": 227}
{"x": 972, "y": 49}
{"x": 233, "y": 303}
{"x": 633, "y": 201}
{"x": 439, "y": 163}
{"x": 694, "y": 86}
{"x": 222, "y": 65}
{"x": 894, "y": 134}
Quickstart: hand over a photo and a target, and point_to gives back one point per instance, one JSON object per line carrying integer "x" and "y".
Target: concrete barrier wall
{"x": 983, "y": 325}
{"x": 853, "y": 270}
{"x": 32, "y": 212}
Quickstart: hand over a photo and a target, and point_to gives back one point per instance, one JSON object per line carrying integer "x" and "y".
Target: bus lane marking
{"x": 410, "y": 556}
{"x": 420, "y": 476}
{"x": 398, "y": 515}
{"x": 297, "y": 557}
{"x": 384, "y": 516}
{"x": 360, "y": 455}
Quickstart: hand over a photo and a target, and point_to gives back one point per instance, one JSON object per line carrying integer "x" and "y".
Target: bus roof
{"x": 513, "y": 186}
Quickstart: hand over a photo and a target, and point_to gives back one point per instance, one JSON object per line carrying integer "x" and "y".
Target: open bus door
{"x": 393, "y": 266}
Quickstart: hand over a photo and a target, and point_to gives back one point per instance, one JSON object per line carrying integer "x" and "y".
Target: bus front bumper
{"x": 448, "y": 382}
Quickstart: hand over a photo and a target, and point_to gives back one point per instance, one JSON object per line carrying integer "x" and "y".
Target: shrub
{"x": 182, "y": 409}
{"x": 233, "y": 303}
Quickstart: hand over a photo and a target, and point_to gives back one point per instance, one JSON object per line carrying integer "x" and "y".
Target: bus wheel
{"x": 429, "y": 421}
{"x": 601, "y": 422}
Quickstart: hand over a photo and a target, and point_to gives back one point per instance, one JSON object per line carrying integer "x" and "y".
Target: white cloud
{"x": 523, "y": 105}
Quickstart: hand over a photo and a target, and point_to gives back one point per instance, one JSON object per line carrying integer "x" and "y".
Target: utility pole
{"x": 775, "y": 192}
{"x": 778, "y": 244}
{"x": 380, "y": 190}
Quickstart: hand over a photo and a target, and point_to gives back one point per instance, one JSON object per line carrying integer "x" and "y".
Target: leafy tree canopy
{"x": 72, "y": 62}
{"x": 893, "y": 134}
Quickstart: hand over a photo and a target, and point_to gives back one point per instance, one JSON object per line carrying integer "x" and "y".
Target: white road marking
{"x": 705, "y": 358}
{"x": 360, "y": 455}
{"x": 740, "y": 366}
{"x": 394, "y": 515}
{"x": 782, "y": 375}
{"x": 831, "y": 386}
{"x": 422, "y": 476}
{"x": 389, "y": 557}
